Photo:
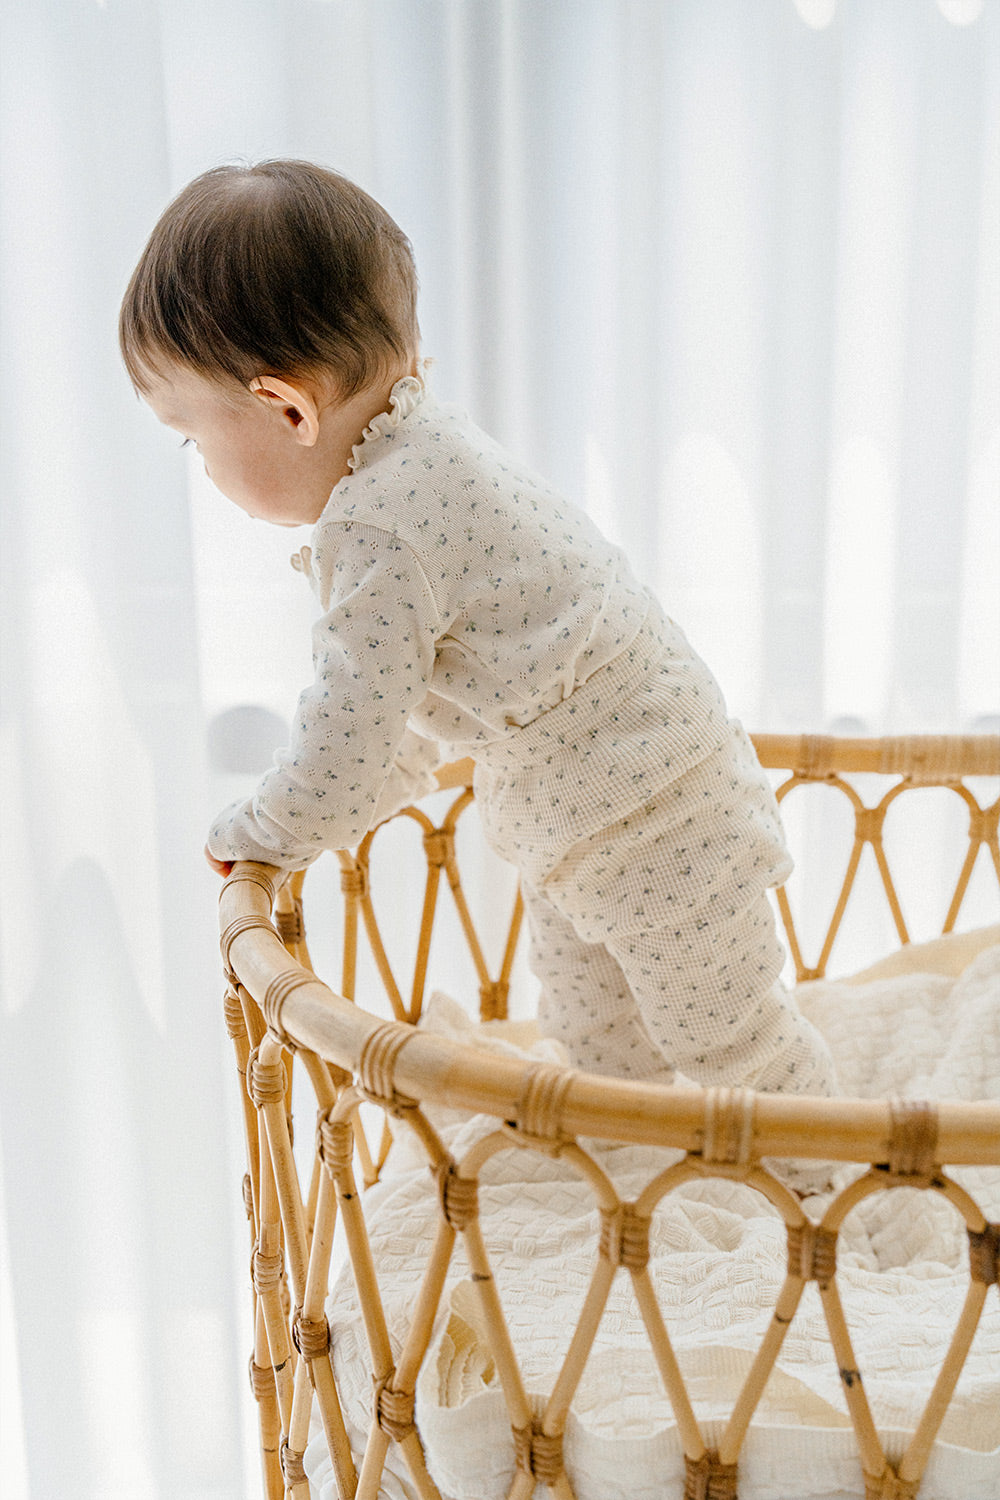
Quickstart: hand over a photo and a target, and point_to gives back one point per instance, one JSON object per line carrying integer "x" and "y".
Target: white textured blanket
{"x": 718, "y": 1257}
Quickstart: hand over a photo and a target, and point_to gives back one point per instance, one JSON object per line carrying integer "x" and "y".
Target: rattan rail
{"x": 280, "y": 1015}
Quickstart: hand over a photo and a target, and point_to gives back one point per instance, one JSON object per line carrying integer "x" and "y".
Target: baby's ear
{"x": 294, "y": 403}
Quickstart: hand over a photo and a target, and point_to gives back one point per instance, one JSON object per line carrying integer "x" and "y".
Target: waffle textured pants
{"x": 652, "y": 934}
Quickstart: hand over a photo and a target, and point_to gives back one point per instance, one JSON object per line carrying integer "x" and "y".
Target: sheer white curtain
{"x": 726, "y": 272}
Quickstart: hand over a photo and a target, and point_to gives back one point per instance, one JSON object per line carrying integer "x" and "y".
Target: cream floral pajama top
{"x": 462, "y": 598}
{"x": 470, "y": 610}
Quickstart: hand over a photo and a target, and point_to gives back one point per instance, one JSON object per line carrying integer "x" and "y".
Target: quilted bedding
{"x": 717, "y": 1258}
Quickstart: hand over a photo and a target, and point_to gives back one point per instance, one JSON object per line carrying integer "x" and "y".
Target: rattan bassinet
{"x": 450, "y": 1400}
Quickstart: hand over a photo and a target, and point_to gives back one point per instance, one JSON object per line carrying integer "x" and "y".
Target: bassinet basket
{"x": 445, "y": 1362}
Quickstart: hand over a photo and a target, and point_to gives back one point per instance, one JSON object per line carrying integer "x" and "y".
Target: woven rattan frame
{"x": 279, "y": 1014}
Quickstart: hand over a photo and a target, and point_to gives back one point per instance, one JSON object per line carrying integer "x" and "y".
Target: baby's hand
{"x": 220, "y": 866}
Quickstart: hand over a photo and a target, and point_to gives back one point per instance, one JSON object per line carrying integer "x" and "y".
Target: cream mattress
{"x": 718, "y": 1256}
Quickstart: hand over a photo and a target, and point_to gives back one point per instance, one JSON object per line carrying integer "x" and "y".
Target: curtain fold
{"x": 728, "y": 274}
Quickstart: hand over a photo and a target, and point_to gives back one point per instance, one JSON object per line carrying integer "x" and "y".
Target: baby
{"x": 468, "y": 610}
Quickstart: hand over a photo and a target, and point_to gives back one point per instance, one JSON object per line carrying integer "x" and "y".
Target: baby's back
{"x": 531, "y": 599}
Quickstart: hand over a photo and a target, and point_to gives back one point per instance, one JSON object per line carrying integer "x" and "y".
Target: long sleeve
{"x": 411, "y": 775}
{"x": 373, "y": 654}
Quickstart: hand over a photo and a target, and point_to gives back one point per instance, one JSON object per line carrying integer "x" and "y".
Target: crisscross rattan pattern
{"x": 724, "y": 1132}
{"x": 912, "y": 761}
{"x": 393, "y": 1410}
{"x": 266, "y": 1270}
{"x": 335, "y": 1144}
{"x": 705, "y": 1478}
{"x": 624, "y": 1237}
{"x": 459, "y": 1196}
{"x": 311, "y": 1336}
{"x": 266, "y": 1081}
{"x": 812, "y": 1253}
{"x": 439, "y": 848}
{"x": 292, "y": 1466}
{"x": 538, "y": 1453}
{"x": 889, "y": 1486}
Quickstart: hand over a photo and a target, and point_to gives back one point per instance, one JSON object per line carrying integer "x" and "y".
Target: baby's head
{"x": 283, "y": 266}
{"x": 272, "y": 303}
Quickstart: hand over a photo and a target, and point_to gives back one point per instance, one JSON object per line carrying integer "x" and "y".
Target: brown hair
{"x": 281, "y": 268}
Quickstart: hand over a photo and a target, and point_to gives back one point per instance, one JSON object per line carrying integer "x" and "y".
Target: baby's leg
{"x": 676, "y": 894}
{"x": 613, "y": 1009}
{"x": 622, "y": 1026}
{"x": 732, "y": 1023}
{"x": 585, "y": 999}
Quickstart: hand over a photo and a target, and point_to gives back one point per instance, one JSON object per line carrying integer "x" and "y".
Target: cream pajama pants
{"x": 646, "y": 968}
{"x": 651, "y": 931}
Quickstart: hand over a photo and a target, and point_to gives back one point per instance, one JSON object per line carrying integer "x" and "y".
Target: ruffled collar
{"x": 405, "y": 396}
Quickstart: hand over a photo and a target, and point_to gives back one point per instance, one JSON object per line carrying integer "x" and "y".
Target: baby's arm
{"x": 373, "y": 653}
{"x": 411, "y": 775}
